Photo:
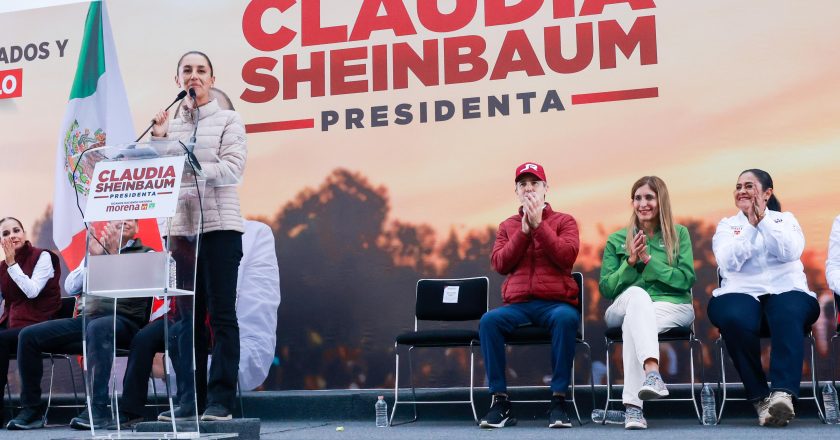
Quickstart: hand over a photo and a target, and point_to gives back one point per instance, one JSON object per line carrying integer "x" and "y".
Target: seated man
{"x": 258, "y": 296}
{"x": 536, "y": 249}
{"x": 57, "y": 335}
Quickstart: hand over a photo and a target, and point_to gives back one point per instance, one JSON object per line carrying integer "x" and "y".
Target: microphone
{"x": 189, "y": 151}
{"x": 192, "y": 160}
{"x": 180, "y": 96}
{"x": 197, "y": 111}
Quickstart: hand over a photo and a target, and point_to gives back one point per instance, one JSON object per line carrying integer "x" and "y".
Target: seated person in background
{"x": 536, "y": 249}
{"x": 648, "y": 271}
{"x": 28, "y": 286}
{"x": 763, "y": 281}
{"x": 258, "y": 296}
{"x": 57, "y": 335}
{"x": 832, "y": 265}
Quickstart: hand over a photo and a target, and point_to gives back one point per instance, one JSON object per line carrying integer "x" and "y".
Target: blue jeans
{"x": 741, "y": 318}
{"x": 62, "y": 335}
{"x": 561, "y": 318}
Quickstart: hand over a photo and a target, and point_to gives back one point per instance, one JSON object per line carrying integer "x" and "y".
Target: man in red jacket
{"x": 536, "y": 249}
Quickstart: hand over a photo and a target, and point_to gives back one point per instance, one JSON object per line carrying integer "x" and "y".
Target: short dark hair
{"x": 766, "y": 183}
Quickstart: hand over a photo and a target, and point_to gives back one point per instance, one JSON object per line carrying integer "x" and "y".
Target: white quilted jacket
{"x": 221, "y": 134}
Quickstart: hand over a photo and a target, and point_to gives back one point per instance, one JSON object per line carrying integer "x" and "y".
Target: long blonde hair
{"x": 666, "y": 219}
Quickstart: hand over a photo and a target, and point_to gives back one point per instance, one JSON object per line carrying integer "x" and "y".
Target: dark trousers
{"x": 219, "y": 254}
{"x": 787, "y": 316}
{"x": 146, "y": 343}
{"x": 561, "y": 318}
{"x": 8, "y": 347}
{"x": 57, "y": 336}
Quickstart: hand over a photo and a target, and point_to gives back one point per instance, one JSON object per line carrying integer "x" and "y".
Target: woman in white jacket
{"x": 221, "y": 150}
{"x": 763, "y": 291}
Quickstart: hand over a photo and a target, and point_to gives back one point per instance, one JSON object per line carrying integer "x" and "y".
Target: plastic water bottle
{"x": 707, "y": 401}
{"x": 381, "y": 408}
{"x": 614, "y": 417}
{"x": 173, "y": 272}
{"x": 832, "y": 412}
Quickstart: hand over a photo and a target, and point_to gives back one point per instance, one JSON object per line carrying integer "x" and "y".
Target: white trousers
{"x": 641, "y": 320}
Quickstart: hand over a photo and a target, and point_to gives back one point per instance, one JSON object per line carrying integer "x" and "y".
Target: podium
{"x": 154, "y": 184}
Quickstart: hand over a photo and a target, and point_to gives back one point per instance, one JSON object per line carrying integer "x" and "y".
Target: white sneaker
{"x": 653, "y": 387}
{"x": 780, "y": 407}
{"x": 634, "y": 418}
{"x": 761, "y": 407}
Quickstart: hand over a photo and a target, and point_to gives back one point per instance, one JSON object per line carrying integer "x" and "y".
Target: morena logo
{"x": 11, "y": 83}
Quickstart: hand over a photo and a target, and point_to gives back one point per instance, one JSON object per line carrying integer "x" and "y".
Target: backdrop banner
{"x": 383, "y": 136}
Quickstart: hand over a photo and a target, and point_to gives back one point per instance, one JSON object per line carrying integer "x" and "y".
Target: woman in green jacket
{"x": 648, "y": 271}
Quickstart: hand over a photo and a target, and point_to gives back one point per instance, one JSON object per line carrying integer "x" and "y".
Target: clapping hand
{"x": 109, "y": 238}
{"x": 638, "y": 249}
{"x": 756, "y": 212}
{"x": 533, "y": 210}
{"x": 9, "y": 250}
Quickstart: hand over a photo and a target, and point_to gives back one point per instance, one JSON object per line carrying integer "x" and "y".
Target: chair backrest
{"x": 457, "y": 299}
{"x": 68, "y": 306}
{"x": 578, "y": 277}
{"x": 837, "y": 311}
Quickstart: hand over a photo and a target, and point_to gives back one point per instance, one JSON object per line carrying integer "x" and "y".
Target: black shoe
{"x": 101, "y": 418}
{"x": 557, "y": 417}
{"x": 27, "y": 418}
{"x": 499, "y": 415}
{"x": 182, "y": 412}
{"x": 216, "y": 413}
{"x": 125, "y": 420}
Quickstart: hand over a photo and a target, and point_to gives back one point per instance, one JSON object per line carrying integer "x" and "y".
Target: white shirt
{"x": 763, "y": 260}
{"x": 832, "y": 265}
{"x": 258, "y": 296}
{"x": 42, "y": 273}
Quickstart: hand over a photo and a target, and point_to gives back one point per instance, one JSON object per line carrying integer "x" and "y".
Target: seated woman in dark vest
{"x": 102, "y": 328}
{"x": 29, "y": 287}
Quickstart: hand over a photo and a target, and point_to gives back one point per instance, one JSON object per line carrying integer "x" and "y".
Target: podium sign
{"x": 131, "y": 189}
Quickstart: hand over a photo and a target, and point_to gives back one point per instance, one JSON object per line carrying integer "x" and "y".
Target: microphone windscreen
{"x": 181, "y": 95}
{"x": 192, "y": 93}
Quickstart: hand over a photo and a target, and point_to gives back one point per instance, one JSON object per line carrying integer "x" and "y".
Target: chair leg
{"x": 691, "y": 343}
{"x": 721, "y": 378}
{"x": 472, "y": 383}
{"x": 411, "y": 381}
{"x": 574, "y": 401}
{"x": 49, "y": 393}
{"x": 591, "y": 385}
{"x": 591, "y": 376}
{"x": 72, "y": 380}
{"x": 609, "y": 381}
{"x": 396, "y": 384}
{"x": 814, "y": 379}
{"x": 831, "y": 361}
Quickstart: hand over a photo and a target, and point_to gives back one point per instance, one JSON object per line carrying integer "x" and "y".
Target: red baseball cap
{"x": 530, "y": 168}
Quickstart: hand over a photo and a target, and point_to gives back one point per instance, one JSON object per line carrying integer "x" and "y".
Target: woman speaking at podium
{"x": 216, "y": 133}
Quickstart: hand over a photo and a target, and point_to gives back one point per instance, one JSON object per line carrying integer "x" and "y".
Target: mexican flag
{"x": 97, "y": 115}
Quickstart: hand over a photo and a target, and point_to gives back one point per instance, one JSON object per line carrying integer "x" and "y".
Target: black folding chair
{"x": 613, "y": 335}
{"x": 443, "y": 300}
{"x": 534, "y": 335}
